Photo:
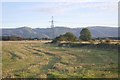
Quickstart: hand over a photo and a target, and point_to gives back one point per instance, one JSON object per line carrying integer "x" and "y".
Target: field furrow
{"x": 39, "y": 60}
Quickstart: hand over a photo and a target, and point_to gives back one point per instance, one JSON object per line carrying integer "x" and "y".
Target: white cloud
{"x": 53, "y": 8}
{"x": 106, "y": 6}
{"x": 61, "y": 8}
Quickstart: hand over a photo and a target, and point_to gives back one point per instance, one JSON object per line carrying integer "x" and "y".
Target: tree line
{"x": 16, "y": 38}
{"x": 12, "y": 38}
{"x": 85, "y": 35}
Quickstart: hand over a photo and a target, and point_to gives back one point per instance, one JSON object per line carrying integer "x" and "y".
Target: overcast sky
{"x": 37, "y": 14}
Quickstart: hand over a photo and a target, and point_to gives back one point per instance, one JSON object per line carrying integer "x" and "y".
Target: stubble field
{"x": 35, "y": 59}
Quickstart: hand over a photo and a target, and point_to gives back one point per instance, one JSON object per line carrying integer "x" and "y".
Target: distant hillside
{"x": 27, "y": 32}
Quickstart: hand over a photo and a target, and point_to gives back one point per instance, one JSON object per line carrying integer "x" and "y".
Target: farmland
{"x": 35, "y": 59}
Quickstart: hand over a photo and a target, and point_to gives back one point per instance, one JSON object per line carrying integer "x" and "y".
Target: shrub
{"x": 66, "y": 37}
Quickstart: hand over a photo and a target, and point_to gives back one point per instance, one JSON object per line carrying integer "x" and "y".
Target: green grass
{"x": 22, "y": 59}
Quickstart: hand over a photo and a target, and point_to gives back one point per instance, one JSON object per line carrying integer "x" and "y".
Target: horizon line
{"x": 56, "y": 27}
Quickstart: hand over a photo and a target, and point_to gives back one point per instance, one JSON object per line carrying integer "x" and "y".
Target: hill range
{"x": 27, "y": 32}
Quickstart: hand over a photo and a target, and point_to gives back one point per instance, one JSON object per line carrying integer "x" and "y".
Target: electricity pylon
{"x": 52, "y": 27}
